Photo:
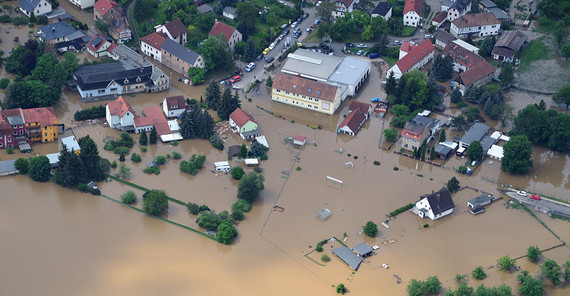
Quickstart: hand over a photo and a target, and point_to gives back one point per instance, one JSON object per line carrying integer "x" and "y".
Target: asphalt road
{"x": 543, "y": 205}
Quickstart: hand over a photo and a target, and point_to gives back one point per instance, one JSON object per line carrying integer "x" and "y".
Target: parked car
{"x": 361, "y": 45}
{"x": 397, "y": 42}
{"x": 250, "y": 67}
{"x": 259, "y": 57}
{"x": 349, "y": 45}
{"x": 297, "y": 34}
{"x": 360, "y": 52}
{"x": 235, "y": 79}
{"x": 309, "y": 30}
{"x": 294, "y": 24}
{"x": 427, "y": 36}
{"x": 317, "y": 22}
{"x": 373, "y": 55}
{"x": 375, "y": 99}
{"x": 269, "y": 59}
{"x": 319, "y": 3}
{"x": 271, "y": 46}
{"x": 535, "y": 197}
{"x": 286, "y": 32}
{"x": 283, "y": 26}
{"x": 266, "y": 51}
{"x": 305, "y": 15}
{"x": 523, "y": 193}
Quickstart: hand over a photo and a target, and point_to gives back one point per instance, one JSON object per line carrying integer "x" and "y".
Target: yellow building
{"x": 306, "y": 93}
{"x": 41, "y": 124}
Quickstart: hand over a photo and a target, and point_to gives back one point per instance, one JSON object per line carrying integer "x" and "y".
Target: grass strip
{"x": 174, "y": 200}
{"x": 340, "y": 242}
{"x": 315, "y": 261}
{"x": 160, "y": 218}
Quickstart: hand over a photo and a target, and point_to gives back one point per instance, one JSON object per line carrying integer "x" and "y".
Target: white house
{"x": 173, "y": 106}
{"x": 458, "y": 8}
{"x": 383, "y": 9}
{"x": 100, "y": 46}
{"x": 151, "y": 45}
{"x": 416, "y": 58}
{"x": 120, "y": 115}
{"x": 230, "y": 34}
{"x": 83, "y": 4}
{"x": 413, "y": 11}
{"x": 38, "y": 7}
{"x": 435, "y": 205}
{"x": 174, "y": 30}
{"x": 479, "y": 25}
{"x": 342, "y": 6}
{"x": 230, "y": 12}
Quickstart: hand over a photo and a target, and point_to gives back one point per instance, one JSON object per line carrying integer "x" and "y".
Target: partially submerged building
{"x": 243, "y": 123}
{"x": 346, "y": 255}
{"x": 435, "y": 205}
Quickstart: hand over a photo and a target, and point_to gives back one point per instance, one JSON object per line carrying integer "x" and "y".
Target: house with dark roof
{"x": 444, "y": 149}
{"x": 8, "y": 167}
{"x": 99, "y": 46}
{"x": 458, "y": 8}
{"x": 305, "y": 93}
{"x": 413, "y": 12}
{"x": 348, "y": 257}
{"x": 65, "y": 46}
{"x": 120, "y": 115}
{"x": 443, "y": 38}
{"x": 490, "y": 6}
{"x": 478, "y": 132}
{"x": 173, "y": 106}
{"x": 228, "y": 33}
{"x": 38, "y": 7}
{"x": 416, "y": 58}
{"x": 463, "y": 59}
{"x": 342, "y": 7}
{"x": 362, "y": 250}
{"x": 175, "y": 30}
{"x": 352, "y": 123}
{"x": 243, "y": 123}
{"x": 111, "y": 79}
{"x": 508, "y": 45}
{"x": 383, "y": 9}
{"x": 230, "y": 12}
{"x": 435, "y": 205}
{"x": 476, "y": 25}
{"x": 417, "y": 130}
{"x": 480, "y": 74}
{"x": 180, "y": 58}
{"x": 58, "y": 32}
{"x": 365, "y": 108}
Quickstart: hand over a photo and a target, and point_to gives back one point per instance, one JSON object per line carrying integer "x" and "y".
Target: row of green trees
{"x": 196, "y": 123}
{"x": 543, "y": 127}
{"x": 225, "y": 103}
{"x": 413, "y": 90}
{"x": 90, "y": 113}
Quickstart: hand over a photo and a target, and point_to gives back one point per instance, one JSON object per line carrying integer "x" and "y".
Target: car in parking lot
{"x": 305, "y": 15}
{"x": 294, "y": 24}
{"x": 349, "y": 45}
{"x": 360, "y": 52}
{"x": 250, "y": 67}
{"x": 235, "y": 79}
{"x": 286, "y": 32}
{"x": 297, "y": 34}
{"x": 269, "y": 59}
{"x": 309, "y": 30}
{"x": 397, "y": 42}
{"x": 360, "y": 45}
{"x": 271, "y": 46}
{"x": 266, "y": 51}
{"x": 535, "y": 196}
{"x": 259, "y": 57}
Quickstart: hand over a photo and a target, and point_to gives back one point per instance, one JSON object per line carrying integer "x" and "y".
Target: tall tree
{"x": 91, "y": 160}
{"x": 391, "y": 85}
{"x": 456, "y": 95}
{"x": 507, "y": 75}
{"x": 517, "y": 154}
{"x": 249, "y": 186}
{"x": 153, "y": 136}
{"x": 475, "y": 151}
{"x": 228, "y": 104}
{"x": 213, "y": 95}
{"x": 39, "y": 168}
{"x": 187, "y": 124}
{"x": 216, "y": 53}
{"x": 143, "y": 139}
{"x": 249, "y": 54}
{"x": 562, "y": 96}
{"x": 442, "y": 136}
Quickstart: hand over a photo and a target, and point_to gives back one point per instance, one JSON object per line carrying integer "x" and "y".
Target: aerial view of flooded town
{"x": 299, "y": 147}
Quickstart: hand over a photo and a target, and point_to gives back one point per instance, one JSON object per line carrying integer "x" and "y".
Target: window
{"x": 15, "y": 133}
{"x": 45, "y": 134}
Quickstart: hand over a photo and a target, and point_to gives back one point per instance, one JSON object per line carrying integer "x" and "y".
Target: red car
{"x": 235, "y": 79}
{"x": 535, "y": 197}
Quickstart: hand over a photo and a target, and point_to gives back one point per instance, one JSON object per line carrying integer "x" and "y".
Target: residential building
{"x": 417, "y": 130}
{"x": 478, "y": 132}
{"x": 130, "y": 74}
{"x": 152, "y": 117}
{"x": 444, "y": 149}
{"x": 230, "y": 12}
{"x": 83, "y": 4}
{"x": 463, "y": 59}
{"x": 151, "y": 45}
{"x": 365, "y": 108}
{"x": 119, "y": 29}
{"x": 458, "y": 8}
{"x": 384, "y": 10}
{"x": 508, "y": 45}
{"x": 350, "y": 74}
{"x": 41, "y": 124}
{"x": 180, "y": 58}
{"x": 478, "y": 75}
{"x": 175, "y": 30}
{"x": 243, "y": 123}
{"x": 413, "y": 12}
{"x": 38, "y": 7}
{"x": 362, "y": 250}
{"x": 205, "y": 8}
{"x": 306, "y": 93}
{"x": 7, "y": 167}
{"x": 6, "y": 132}
{"x": 99, "y": 46}
{"x": 105, "y": 9}
{"x": 352, "y": 123}
{"x": 475, "y": 25}
{"x": 439, "y": 19}
{"x": 65, "y": 46}
{"x": 442, "y": 38}
{"x": 416, "y": 58}
{"x": 348, "y": 257}
{"x": 229, "y": 34}
{"x": 435, "y": 205}
{"x": 14, "y": 124}
{"x": 120, "y": 115}
{"x": 481, "y": 200}
{"x": 173, "y": 106}
{"x": 71, "y": 144}
{"x": 342, "y": 7}
{"x": 406, "y": 47}
{"x": 58, "y": 32}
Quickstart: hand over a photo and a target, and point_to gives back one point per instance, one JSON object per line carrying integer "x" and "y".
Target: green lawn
{"x": 389, "y": 60}
{"x": 408, "y": 31}
{"x": 534, "y": 51}
{"x": 549, "y": 28}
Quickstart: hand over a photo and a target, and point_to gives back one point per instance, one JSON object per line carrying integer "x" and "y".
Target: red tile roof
{"x": 45, "y": 116}
{"x": 462, "y": 55}
{"x": 361, "y": 106}
{"x": 353, "y": 121}
{"x": 155, "y": 39}
{"x": 176, "y": 28}
{"x": 476, "y": 72}
{"x": 175, "y": 101}
{"x": 414, "y": 5}
{"x": 5, "y": 126}
{"x": 305, "y": 87}
{"x": 346, "y": 3}
{"x": 104, "y": 6}
{"x": 407, "y": 46}
{"x": 440, "y": 17}
{"x": 240, "y": 117}
{"x": 119, "y": 107}
{"x": 299, "y": 138}
{"x": 96, "y": 47}
{"x": 476, "y": 20}
{"x": 153, "y": 116}
{"x": 415, "y": 55}
{"x": 221, "y": 28}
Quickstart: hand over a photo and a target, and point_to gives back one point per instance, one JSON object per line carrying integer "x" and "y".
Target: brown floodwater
{"x": 58, "y": 241}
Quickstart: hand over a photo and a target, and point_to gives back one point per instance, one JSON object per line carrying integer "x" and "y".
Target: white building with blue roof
{"x": 38, "y": 7}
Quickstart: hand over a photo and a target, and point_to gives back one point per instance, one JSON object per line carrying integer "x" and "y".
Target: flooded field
{"x": 58, "y": 241}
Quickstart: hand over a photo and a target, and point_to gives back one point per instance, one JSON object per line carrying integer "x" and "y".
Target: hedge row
{"x": 90, "y": 113}
{"x": 401, "y": 210}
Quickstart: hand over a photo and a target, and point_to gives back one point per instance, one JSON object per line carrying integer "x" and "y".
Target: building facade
{"x": 413, "y": 11}
{"x": 38, "y": 7}
{"x": 305, "y": 93}
{"x": 83, "y": 4}
{"x": 41, "y": 124}
{"x": 476, "y": 25}
{"x": 228, "y": 33}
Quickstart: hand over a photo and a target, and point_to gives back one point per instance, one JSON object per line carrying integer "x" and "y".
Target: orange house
{"x": 41, "y": 124}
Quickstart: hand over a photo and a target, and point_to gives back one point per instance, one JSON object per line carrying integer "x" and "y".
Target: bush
{"x": 193, "y": 208}
{"x": 121, "y": 150}
{"x": 237, "y": 172}
{"x": 90, "y": 113}
{"x": 478, "y": 273}
{"x": 20, "y": 20}
{"x": 401, "y": 210}
{"x": 21, "y": 165}
{"x": 143, "y": 148}
{"x": 110, "y": 144}
{"x": 320, "y": 244}
{"x": 370, "y": 229}
{"x": 208, "y": 220}
{"x": 155, "y": 202}
{"x": 453, "y": 185}
{"x": 152, "y": 170}
{"x": 258, "y": 169}
{"x": 176, "y": 155}
{"x": 226, "y": 232}
{"x": 195, "y": 164}
{"x": 82, "y": 187}
{"x": 263, "y": 157}
{"x": 4, "y": 83}
{"x": 298, "y": 168}
{"x": 217, "y": 142}
{"x": 136, "y": 158}
{"x": 114, "y": 164}
{"x": 532, "y": 253}
{"x": 204, "y": 208}
{"x": 126, "y": 140}
{"x": 128, "y": 197}
{"x": 325, "y": 258}
{"x": 160, "y": 159}
{"x": 341, "y": 289}
{"x": 241, "y": 205}
{"x": 122, "y": 157}
{"x": 505, "y": 263}
{"x": 238, "y": 215}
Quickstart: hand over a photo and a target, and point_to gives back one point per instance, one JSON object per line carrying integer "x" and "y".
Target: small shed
{"x": 481, "y": 200}
{"x": 362, "y": 250}
{"x": 151, "y": 164}
{"x": 71, "y": 144}
{"x": 233, "y": 150}
{"x": 495, "y": 152}
{"x": 250, "y": 162}
{"x": 53, "y": 159}
{"x": 299, "y": 140}
{"x": 324, "y": 214}
{"x": 346, "y": 255}
{"x": 222, "y": 166}
{"x": 7, "y": 168}
{"x": 477, "y": 210}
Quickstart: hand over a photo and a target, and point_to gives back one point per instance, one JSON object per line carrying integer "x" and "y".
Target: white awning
{"x": 495, "y": 152}
{"x": 171, "y": 137}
